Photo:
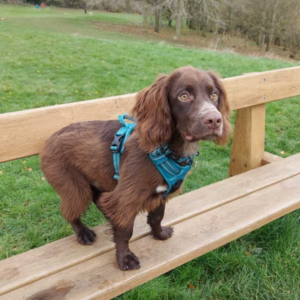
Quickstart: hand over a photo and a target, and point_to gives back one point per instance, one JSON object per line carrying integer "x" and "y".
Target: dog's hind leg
{"x": 85, "y": 235}
{"x": 76, "y": 194}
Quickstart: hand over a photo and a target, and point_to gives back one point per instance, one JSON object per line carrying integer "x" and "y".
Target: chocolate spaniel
{"x": 179, "y": 109}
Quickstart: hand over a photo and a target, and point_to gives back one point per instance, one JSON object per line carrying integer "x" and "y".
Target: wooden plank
{"x": 24, "y": 133}
{"x": 249, "y": 140}
{"x": 22, "y": 269}
{"x": 270, "y": 158}
{"x": 99, "y": 278}
{"x": 258, "y": 88}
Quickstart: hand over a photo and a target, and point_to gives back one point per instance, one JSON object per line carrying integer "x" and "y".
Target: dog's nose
{"x": 212, "y": 119}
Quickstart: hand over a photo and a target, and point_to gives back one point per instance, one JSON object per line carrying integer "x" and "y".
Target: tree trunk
{"x": 160, "y": 17}
{"x": 204, "y": 27}
{"x": 127, "y": 3}
{"x": 270, "y": 40}
{"x": 168, "y": 15}
{"x": 145, "y": 14}
{"x": 262, "y": 41}
{"x": 197, "y": 26}
{"x": 178, "y": 19}
{"x": 157, "y": 19}
{"x": 177, "y": 27}
{"x": 192, "y": 23}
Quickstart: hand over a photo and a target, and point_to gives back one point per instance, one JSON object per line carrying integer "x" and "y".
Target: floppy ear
{"x": 153, "y": 115}
{"x": 224, "y": 109}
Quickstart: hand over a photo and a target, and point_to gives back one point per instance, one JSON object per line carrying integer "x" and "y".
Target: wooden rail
{"x": 24, "y": 133}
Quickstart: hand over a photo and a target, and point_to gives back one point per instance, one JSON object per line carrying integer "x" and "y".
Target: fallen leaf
{"x": 247, "y": 253}
{"x": 192, "y": 287}
{"x": 25, "y": 168}
{"x": 29, "y": 169}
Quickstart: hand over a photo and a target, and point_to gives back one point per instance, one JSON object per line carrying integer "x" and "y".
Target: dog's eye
{"x": 183, "y": 96}
{"x": 214, "y": 97}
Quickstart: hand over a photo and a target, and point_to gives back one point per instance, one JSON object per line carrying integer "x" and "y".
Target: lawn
{"x": 56, "y": 56}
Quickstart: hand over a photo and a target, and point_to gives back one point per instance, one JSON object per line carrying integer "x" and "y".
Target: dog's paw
{"x": 86, "y": 236}
{"x": 166, "y": 233}
{"x": 128, "y": 261}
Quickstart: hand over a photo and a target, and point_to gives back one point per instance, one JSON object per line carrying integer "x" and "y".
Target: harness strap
{"x": 118, "y": 144}
{"x": 168, "y": 163}
{"x": 170, "y": 168}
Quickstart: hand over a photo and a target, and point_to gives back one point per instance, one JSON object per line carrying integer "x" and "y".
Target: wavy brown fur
{"x": 77, "y": 160}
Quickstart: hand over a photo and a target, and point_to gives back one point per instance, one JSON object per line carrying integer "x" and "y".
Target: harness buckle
{"x": 176, "y": 186}
{"x": 117, "y": 143}
{"x": 179, "y": 160}
{"x": 169, "y": 153}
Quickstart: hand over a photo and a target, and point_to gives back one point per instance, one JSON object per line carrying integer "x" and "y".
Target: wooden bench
{"x": 203, "y": 219}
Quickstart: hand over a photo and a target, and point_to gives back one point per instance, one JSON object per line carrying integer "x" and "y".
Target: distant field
{"x": 55, "y": 56}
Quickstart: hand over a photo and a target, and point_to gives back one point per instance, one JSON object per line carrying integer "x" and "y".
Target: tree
{"x": 145, "y": 14}
{"x": 179, "y": 14}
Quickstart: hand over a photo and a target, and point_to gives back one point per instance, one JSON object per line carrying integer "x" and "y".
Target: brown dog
{"x": 179, "y": 110}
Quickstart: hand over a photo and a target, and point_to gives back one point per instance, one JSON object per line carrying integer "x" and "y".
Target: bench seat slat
{"x": 99, "y": 278}
{"x": 35, "y": 264}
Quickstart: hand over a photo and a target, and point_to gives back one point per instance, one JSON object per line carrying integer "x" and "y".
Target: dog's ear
{"x": 224, "y": 109}
{"x": 153, "y": 115}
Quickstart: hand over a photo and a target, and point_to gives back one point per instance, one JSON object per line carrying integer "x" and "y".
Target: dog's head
{"x": 190, "y": 100}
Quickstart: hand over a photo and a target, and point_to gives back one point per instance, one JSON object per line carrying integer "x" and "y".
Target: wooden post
{"x": 249, "y": 140}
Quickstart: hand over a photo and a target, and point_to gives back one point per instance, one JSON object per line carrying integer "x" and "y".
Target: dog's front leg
{"x": 127, "y": 260}
{"x": 154, "y": 220}
{"x": 121, "y": 216}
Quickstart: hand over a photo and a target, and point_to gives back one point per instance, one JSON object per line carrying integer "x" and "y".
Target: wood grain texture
{"x": 99, "y": 278}
{"x": 24, "y": 133}
{"x": 38, "y": 263}
{"x": 270, "y": 158}
{"x": 258, "y": 88}
{"x": 249, "y": 140}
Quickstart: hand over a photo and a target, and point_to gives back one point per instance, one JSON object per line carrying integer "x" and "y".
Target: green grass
{"x": 57, "y": 56}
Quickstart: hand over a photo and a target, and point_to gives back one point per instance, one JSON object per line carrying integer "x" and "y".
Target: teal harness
{"x": 118, "y": 144}
{"x": 168, "y": 163}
